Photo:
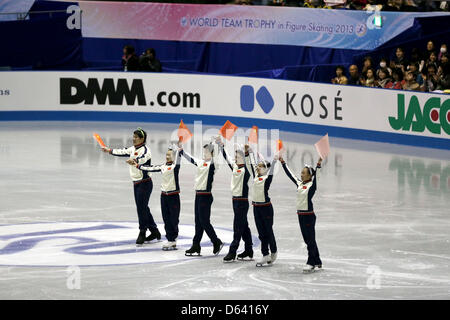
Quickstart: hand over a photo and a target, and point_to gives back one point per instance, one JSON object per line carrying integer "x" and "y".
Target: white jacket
{"x": 305, "y": 190}
{"x": 141, "y": 154}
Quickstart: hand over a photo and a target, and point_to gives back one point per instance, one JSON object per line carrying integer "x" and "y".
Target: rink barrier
{"x": 305, "y": 128}
{"x": 383, "y": 115}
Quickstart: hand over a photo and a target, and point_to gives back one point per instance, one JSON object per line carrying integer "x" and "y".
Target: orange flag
{"x": 183, "y": 132}
{"x": 323, "y": 146}
{"x": 99, "y": 140}
{"x": 228, "y": 130}
{"x": 253, "y": 136}
{"x": 279, "y": 145}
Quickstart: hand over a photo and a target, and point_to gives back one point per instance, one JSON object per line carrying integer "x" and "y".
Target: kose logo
{"x": 75, "y": 91}
{"x": 433, "y": 117}
{"x": 263, "y": 97}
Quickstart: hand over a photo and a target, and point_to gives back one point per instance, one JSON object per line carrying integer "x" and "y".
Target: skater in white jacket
{"x": 142, "y": 182}
{"x": 306, "y": 188}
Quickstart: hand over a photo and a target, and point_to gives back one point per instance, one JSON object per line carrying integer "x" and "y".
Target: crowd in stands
{"x": 383, "y": 5}
{"x": 423, "y": 71}
{"x": 146, "y": 62}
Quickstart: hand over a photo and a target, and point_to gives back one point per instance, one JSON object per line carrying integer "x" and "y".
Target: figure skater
{"x": 241, "y": 169}
{"x": 263, "y": 210}
{"x": 142, "y": 182}
{"x": 170, "y": 194}
{"x": 203, "y": 200}
{"x": 306, "y": 188}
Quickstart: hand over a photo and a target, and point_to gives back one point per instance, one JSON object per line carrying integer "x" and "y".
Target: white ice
{"x": 383, "y": 222}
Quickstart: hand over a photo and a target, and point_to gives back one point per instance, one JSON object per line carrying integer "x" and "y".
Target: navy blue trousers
{"x": 264, "y": 223}
{"x": 240, "y": 226}
{"x": 307, "y": 226}
{"x": 142, "y": 192}
{"x": 170, "y": 208}
{"x": 203, "y": 204}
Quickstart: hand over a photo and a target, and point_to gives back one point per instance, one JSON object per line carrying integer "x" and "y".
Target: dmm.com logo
{"x": 263, "y": 97}
{"x": 75, "y": 91}
{"x": 433, "y": 117}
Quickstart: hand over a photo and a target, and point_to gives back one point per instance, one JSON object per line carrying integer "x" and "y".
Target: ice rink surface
{"x": 68, "y": 222}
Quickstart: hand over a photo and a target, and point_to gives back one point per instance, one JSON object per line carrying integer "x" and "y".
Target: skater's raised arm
{"x": 224, "y": 152}
{"x": 188, "y": 157}
{"x": 316, "y": 175}
{"x": 251, "y": 159}
{"x": 270, "y": 172}
{"x": 289, "y": 173}
{"x": 178, "y": 159}
{"x": 248, "y": 161}
{"x": 225, "y": 155}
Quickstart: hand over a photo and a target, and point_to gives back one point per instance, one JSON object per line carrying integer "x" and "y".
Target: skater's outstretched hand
{"x": 247, "y": 148}
{"x": 131, "y": 162}
{"x": 106, "y": 150}
{"x": 319, "y": 162}
{"x": 219, "y": 140}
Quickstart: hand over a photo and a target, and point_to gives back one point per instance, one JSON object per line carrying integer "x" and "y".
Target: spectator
{"x": 367, "y": 64}
{"x": 357, "y": 4}
{"x": 130, "y": 61}
{"x": 384, "y": 65}
{"x": 432, "y": 60}
{"x": 442, "y": 51}
{"x": 388, "y": 6}
{"x": 430, "y": 48}
{"x": 373, "y": 5}
{"x": 340, "y": 77}
{"x": 411, "y": 83}
{"x": 383, "y": 78}
{"x": 397, "y": 80}
{"x": 414, "y": 68}
{"x": 354, "y": 75}
{"x": 369, "y": 79}
{"x": 444, "y": 58}
{"x": 444, "y": 76}
{"x": 430, "y": 79}
{"x": 416, "y": 56}
{"x": 399, "y": 60}
{"x": 409, "y": 5}
{"x": 148, "y": 61}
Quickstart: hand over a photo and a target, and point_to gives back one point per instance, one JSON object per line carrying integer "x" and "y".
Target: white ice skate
{"x": 265, "y": 261}
{"x": 273, "y": 257}
{"x": 308, "y": 268}
{"x": 169, "y": 245}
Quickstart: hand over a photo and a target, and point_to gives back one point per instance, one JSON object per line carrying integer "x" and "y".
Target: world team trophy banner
{"x": 346, "y": 29}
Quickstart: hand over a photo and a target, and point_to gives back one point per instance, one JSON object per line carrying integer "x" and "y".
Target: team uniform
{"x": 142, "y": 182}
{"x": 170, "y": 197}
{"x": 306, "y": 215}
{"x": 239, "y": 190}
{"x": 263, "y": 212}
{"x": 203, "y": 201}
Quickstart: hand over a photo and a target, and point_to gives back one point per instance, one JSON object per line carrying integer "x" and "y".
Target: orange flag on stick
{"x": 183, "y": 132}
{"x": 99, "y": 140}
{"x": 253, "y": 136}
{"x": 228, "y": 130}
{"x": 323, "y": 146}
{"x": 279, "y": 145}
